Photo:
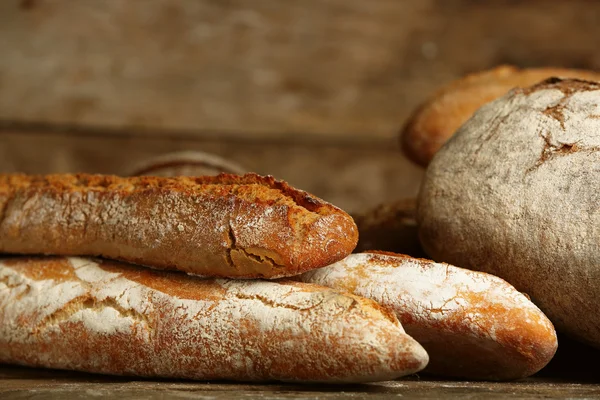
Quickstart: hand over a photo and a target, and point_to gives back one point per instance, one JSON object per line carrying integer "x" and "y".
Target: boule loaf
{"x": 435, "y": 121}
{"x": 229, "y": 226}
{"x": 473, "y": 325}
{"x": 516, "y": 193}
{"x": 109, "y": 317}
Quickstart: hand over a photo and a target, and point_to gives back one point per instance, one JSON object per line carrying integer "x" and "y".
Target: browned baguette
{"x": 227, "y": 226}
{"x": 473, "y": 325}
{"x": 113, "y": 318}
{"x": 435, "y": 121}
{"x": 390, "y": 227}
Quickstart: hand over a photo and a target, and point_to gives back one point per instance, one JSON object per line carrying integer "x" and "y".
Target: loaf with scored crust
{"x": 436, "y": 120}
{"x": 472, "y": 324}
{"x": 515, "y": 193}
{"x": 224, "y": 226}
{"x": 109, "y": 317}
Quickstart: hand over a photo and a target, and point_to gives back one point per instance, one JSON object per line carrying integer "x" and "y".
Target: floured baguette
{"x": 225, "y": 226}
{"x": 113, "y": 318}
{"x": 472, "y": 324}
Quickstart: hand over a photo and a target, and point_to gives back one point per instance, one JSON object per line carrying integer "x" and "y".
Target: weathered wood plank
{"x": 352, "y": 177}
{"x": 24, "y": 383}
{"x": 344, "y": 68}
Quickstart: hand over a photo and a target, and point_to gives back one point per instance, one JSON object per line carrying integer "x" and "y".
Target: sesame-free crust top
{"x": 228, "y": 226}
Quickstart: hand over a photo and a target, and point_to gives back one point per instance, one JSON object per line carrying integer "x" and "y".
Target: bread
{"x": 435, "y": 121}
{"x": 515, "y": 193}
{"x": 390, "y": 227}
{"x": 473, "y": 325}
{"x": 228, "y": 226}
{"x": 113, "y": 318}
{"x": 185, "y": 163}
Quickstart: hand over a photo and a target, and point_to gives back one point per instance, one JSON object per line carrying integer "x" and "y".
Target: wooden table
{"x": 26, "y": 383}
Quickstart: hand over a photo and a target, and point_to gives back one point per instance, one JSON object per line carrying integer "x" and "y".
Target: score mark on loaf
{"x": 435, "y": 121}
{"x": 472, "y": 324}
{"x": 224, "y": 226}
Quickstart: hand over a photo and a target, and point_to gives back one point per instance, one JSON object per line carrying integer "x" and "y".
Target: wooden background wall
{"x": 311, "y": 91}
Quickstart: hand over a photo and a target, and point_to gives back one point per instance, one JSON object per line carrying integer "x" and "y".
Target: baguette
{"x": 435, "y": 121}
{"x": 472, "y": 324}
{"x": 113, "y": 318}
{"x": 224, "y": 226}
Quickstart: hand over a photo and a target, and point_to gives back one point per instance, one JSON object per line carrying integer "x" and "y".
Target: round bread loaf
{"x": 438, "y": 118}
{"x": 516, "y": 193}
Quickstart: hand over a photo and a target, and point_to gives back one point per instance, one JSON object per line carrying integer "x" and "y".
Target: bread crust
{"x": 109, "y": 317}
{"x": 436, "y": 120}
{"x": 472, "y": 324}
{"x": 228, "y": 226}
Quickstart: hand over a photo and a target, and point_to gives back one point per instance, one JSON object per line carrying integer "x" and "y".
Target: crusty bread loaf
{"x": 113, "y": 318}
{"x": 390, "y": 227}
{"x": 472, "y": 324}
{"x": 435, "y": 121}
{"x": 229, "y": 226}
{"x": 516, "y": 193}
{"x": 185, "y": 163}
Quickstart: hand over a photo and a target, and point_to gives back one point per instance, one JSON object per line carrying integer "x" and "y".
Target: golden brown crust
{"x": 231, "y": 226}
{"x": 109, "y": 317}
{"x": 435, "y": 121}
{"x": 390, "y": 227}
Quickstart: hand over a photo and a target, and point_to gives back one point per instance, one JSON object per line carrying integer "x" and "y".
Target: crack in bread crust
{"x": 567, "y": 86}
{"x": 87, "y": 302}
{"x": 231, "y": 246}
{"x": 195, "y": 225}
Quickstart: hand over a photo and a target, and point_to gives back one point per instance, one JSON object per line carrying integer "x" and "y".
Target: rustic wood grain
{"x": 354, "y": 178}
{"x": 26, "y": 383}
{"x": 348, "y": 69}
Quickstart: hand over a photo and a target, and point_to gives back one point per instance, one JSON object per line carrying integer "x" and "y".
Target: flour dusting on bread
{"x": 152, "y": 323}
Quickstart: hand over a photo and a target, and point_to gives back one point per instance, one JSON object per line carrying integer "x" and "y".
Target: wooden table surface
{"x": 27, "y": 383}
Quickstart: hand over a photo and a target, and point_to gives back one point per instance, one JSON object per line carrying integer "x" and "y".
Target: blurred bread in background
{"x": 436, "y": 120}
{"x": 390, "y": 227}
{"x": 185, "y": 163}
